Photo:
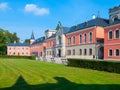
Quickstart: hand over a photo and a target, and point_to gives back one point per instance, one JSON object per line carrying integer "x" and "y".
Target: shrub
{"x": 19, "y": 57}
{"x": 110, "y": 66}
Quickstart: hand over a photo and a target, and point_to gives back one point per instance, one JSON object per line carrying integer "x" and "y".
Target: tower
{"x": 32, "y": 39}
{"x": 114, "y": 14}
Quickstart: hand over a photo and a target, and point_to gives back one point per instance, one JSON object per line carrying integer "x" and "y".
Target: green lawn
{"x": 35, "y": 75}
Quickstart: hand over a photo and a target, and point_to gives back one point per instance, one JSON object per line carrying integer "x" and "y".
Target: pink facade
{"x": 18, "y": 50}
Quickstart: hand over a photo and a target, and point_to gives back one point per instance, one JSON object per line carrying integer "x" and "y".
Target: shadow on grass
{"x": 62, "y": 84}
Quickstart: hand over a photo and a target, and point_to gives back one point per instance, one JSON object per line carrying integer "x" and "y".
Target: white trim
{"x": 111, "y": 44}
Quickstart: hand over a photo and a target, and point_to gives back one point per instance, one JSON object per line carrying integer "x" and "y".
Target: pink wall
{"x": 18, "y": 50}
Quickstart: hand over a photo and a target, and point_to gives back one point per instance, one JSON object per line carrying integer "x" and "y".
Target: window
{"x": 110, "y": 52}
{"x": 80, "y": 38}
{"x": 90, "y": 51}
{"x": 69, "y": 41}
{"x": 59, "y": 40}
{"x": 90, "y": 37}
{"x": 117, "y": 34}
{"x": 22, "y": 53}
{"x": 68, "y": 52}
{"x": 22, "y": 48}
{"x": 110, "y": 34}
{"x": 117, "y": 52}
{"x": 80, "y": 51}
{"x": 9, "y": 53}
{"x": 74, "y": 40}
{"x": 73, "y": 51}
{"x": 85, "y": 52}
{"x": 14, "y": 53}
{"x": 85, "y": 38}
{"x": 26, "y": 48}
{"x": 50, "y": 52}
{"x": 9, "y": 48}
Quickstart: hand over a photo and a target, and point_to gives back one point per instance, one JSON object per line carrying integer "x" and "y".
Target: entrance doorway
{"x": 100, "y": 52}
{"x": 59, "y": 52}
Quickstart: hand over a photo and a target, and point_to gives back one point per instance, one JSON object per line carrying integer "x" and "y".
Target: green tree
{"x": 27, "y": 41}
{"x": 5, "y": 38}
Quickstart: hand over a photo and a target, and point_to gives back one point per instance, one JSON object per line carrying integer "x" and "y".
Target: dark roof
{"x": 18, "y": 44}
{"x": 39, "y": 40}
{"x": 115, "y": 22}
{"x": 65, "y": 29}
{"x": 32, "y": 36}
{"x": 94, "y": 22}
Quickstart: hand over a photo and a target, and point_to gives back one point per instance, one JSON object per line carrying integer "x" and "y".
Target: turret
{"x": 32, "y": 39}
{"x": 114, "y": 14}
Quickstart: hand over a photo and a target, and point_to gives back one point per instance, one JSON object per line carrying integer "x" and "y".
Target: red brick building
{"x": 112, "y": 35}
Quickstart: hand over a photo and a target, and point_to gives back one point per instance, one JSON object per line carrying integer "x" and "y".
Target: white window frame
{"x": 89, "y": 37}
{"x": 115, "y": 52}
{"x": 109, "y": 51}
{"x": 115, "y": 33}
{"x": 108, "y": 34}
{"x": 80, "y": 39}
{"x": 73, "y": 42}
{"x": 84, "y": 38}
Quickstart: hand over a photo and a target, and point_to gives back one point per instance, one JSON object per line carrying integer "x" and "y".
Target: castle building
{"x": 97, "y": 38}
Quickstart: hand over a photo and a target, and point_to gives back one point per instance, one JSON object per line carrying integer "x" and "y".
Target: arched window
{"x": 74, "y": 40}
{"x": 85, "y": 37}
{"x": 69, "y": 40}
{"x": 80, "y": 51}
{"x": 117, "y": 52}
{"x": 117, "y": 33}
{"x": 110, "y": 35}
{"x": 90, "y": 37}
{"x": 85, "y": 51}
{"x": 90, "y": 51}
{"x": 110, "y": 52}
{"x": 80, "y": 38}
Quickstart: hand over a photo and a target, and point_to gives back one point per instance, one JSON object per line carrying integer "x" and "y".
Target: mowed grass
{"x": 23, "y": 74}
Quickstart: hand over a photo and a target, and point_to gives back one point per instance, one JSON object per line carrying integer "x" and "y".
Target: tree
{"x": 27, "y": 41}
{"x": 5, "y": 38}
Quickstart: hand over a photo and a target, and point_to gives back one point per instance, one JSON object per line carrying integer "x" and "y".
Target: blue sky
{"x": 23, "y": 16}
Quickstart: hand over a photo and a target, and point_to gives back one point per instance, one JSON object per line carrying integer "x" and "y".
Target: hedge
{"x": 19, "y": 57}
{"x": 109, "y": 66}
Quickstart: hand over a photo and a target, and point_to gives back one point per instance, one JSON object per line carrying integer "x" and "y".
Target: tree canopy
{"x": 5, "y": 38}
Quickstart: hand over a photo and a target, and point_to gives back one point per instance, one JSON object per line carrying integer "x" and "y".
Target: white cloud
{"x": 3, "y": 6}
{"x": 32, "y": 8}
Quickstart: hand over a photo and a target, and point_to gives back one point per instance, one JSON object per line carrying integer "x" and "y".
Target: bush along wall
{"x": 109, "y": 66}
{"x": 19, "y": 57}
